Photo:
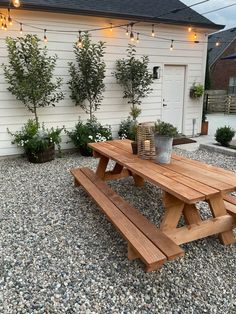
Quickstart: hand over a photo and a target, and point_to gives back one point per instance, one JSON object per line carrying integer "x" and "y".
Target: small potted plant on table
{"x": 164, "y": 134}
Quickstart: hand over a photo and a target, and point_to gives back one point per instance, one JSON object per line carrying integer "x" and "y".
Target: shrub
{"x": 89, "y": 132}
{"x": 87, "y": 75}
{"x": 133, "y": 75}
{"x": 224, "y": 135}
{"x": 128, "y": 129}
{"x": 34, "y": 138}
{"x": 30, "y": 73}
{"x": 165, "y": 129}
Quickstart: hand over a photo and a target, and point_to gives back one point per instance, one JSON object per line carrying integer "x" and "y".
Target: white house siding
{"x": 113, "y": 109}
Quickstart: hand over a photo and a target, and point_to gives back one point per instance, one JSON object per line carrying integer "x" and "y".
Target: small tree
{"x": 87, "y": 75}
{"x": 30, "y": 73}
{"x": 134, "y": 76}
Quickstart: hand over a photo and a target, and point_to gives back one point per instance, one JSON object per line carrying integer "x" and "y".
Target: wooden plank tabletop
{"x": 184, "y": 178}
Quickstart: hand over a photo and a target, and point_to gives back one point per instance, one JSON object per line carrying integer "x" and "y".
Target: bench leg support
{"x": 132, "y": 255}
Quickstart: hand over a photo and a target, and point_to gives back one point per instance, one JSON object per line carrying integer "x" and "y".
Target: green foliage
{"x": 89, "y": 132}
{"x": 128, "y": 129}
{"x": 30, "y": 73}
{"x": 133, "y": 75}
{"x": 34, "y": 138}
{"x": 224, "y": 135}
{"x": 165, "y": 129}
{"x": 197, "y": 90}
{"x": 87, "y": 75}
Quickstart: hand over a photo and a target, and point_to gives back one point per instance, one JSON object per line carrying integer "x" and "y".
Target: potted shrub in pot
{"x": 164, "y": 134}
{"x": 30, "y": 78}
{"x": 37, "y": 141}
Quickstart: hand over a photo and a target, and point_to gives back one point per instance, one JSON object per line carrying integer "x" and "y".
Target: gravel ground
{"x": 59, "y": 254}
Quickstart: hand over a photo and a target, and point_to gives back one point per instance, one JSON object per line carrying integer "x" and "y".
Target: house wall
{"x": 13, "y": 113}
{"x": 222, "y": 70}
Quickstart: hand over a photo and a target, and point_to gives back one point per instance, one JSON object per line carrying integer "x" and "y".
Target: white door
{"x": 173, "y": 95}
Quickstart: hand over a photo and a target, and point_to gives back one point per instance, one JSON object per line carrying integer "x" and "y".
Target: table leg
{"x": 101, "y": 168}
{"x": 218, "y": 209}
{"x": 191, "y": 214}
{"x": 173, "y": 211}
{"x": 139, "y": 181}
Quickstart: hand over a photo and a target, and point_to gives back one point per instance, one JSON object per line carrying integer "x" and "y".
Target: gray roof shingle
{"x": 129, "y": 9}
{"x": 225, "y": 38}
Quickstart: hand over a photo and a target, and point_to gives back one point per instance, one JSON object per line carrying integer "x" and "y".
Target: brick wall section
{"x": 222, "y": 69}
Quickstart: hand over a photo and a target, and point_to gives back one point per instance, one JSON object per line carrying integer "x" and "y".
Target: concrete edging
{"x": 218, "y": 149}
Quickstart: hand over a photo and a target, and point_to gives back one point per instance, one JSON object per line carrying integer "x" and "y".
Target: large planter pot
{"x": 204, "y": 128}
{"x": 42, "y": 156}
{"x": 163, "y": 145}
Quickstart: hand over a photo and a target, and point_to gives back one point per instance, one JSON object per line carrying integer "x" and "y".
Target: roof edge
{"x": 26, "y": 7}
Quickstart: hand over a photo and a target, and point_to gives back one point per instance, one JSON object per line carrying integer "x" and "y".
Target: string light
{"x": 21, "y": 28}
{"x": 195, "y": 36}
{"x": 111, "y": 27}
{"x": 16, "y": 3}
{"x": 9, "y": 17}
{"x": 127, "y": 30}
{"x": 80, "y": 41}
{"x": 1, "y": 18}
{"x": 131, "y": 33}
{"x": 217, "y": 42}
{"x": 172, "y": 45}
{"x": 45, "y": 39}
{"x": 153, "y": 30}
{"x": 137, "y": 39}
{"x": 190, "y": 28}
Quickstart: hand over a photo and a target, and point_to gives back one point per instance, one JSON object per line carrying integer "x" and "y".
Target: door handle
{"x": 164, "y": 105}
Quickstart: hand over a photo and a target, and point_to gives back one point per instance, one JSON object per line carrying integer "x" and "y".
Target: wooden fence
{"x": 220, "y": 103}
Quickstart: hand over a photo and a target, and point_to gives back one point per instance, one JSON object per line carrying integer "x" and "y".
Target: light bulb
{"x": 80, "y": 41}
{"x": 45, "y": 39}
{"x": 195, "y": 36}
{"x": 137, "y": 39}
{"x": 127, "y": 30}
{"x": 111, "y": 27}
{"x": 132, "y": 36}
{"x": 172, "y": 45}
{"x": 153, "y": 31}
{"x": 190, "y": 28}
{"x": 16, "y": 3}
{"x": 9, "y": 17}
{"x": 21, "y": 29}
{"x": 217, "y": 42}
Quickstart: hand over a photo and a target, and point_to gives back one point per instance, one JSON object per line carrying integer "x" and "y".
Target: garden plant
{"x": 224, "y": 135}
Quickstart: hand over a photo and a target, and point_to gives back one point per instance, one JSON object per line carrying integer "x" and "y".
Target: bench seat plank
{"x": 147, "y": 251}
{"x": 165, "y": 244}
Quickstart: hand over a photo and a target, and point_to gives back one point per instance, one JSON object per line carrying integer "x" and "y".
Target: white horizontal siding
{"x": 114, "y": 108}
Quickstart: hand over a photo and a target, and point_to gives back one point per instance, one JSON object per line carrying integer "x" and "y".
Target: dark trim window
{"x": 232, "y": 85}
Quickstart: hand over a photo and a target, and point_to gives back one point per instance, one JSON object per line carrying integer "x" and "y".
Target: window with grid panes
{"x": 232, "y": 85}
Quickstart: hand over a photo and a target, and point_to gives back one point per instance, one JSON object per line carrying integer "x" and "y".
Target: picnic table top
{"x": 186, "y": 179}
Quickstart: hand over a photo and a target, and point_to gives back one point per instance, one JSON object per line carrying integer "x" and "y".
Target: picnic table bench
{"x": 184, "y": 182}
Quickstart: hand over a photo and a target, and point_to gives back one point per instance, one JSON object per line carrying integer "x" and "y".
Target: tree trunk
{"x": 35, "y": 115}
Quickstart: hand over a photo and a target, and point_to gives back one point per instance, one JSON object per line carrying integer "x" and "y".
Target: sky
{"x": 226, "y": 16}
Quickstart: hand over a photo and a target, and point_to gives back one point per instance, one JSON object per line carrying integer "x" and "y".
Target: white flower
{"x": 90, "y": 137}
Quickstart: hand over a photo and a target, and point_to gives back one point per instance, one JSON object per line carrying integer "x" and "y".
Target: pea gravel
{"x": 59, "y": 254}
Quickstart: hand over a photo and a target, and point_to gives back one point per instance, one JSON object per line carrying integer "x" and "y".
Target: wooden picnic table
{"x": 184, "y": 182}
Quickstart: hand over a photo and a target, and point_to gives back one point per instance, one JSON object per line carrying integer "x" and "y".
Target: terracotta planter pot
{"x": 204, "y": 128}
{"x": 42, "y": 156}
